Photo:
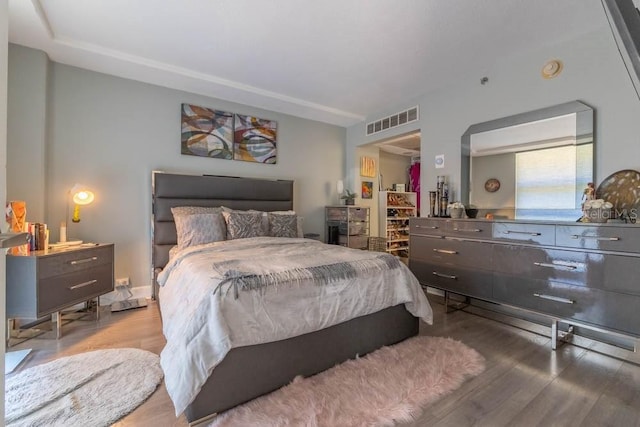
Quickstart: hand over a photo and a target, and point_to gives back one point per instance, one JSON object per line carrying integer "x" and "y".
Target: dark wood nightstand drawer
{"x": 56, "y": 264}
{"x": 58, "y": 292}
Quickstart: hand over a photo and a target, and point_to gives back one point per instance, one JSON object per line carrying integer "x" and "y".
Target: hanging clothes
{"x": 414, "y": 181}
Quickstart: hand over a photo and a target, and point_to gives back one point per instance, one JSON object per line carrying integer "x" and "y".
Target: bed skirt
{"x": 251, "y": 371}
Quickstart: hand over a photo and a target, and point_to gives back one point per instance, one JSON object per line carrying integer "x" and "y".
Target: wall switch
{"x": 122, "y": 282}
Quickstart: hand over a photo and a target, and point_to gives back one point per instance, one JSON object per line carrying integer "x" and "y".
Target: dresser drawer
{"x": 472, "y": 282}
{"x": 72, "y": 261}
{"x": 591, "y": 306}
{"x": 427, "y": 226}
{"x": 571, "y": 267}
{"x": 538, "y": 234}
{"x": 451, "y": 251}
{"x": 470, "y": 228}
{"x": 62, "y": 291}
{"x": 607, "y": 238}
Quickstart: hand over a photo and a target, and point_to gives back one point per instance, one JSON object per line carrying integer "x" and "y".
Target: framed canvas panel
{"x": 254, "y": 139}
{"x": 367, "y": 167}
{"x": 206, "y": 132}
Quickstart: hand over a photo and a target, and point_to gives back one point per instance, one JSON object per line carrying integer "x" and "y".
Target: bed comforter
{"x": 221, "y": 295}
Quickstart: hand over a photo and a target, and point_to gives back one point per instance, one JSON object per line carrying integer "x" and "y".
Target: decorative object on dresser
{"x": 349, "y": 197}
{"x": 347, "y": 226}
{"x": 577, "y": 274}
{"x": 96, "y": 388}
{"x": 391, "y": 385}
{"x": 622, "y": 190}
{"x": 439, "y": 199}
{"x": 45, "y": 282}
{"x": 395, "y": 210}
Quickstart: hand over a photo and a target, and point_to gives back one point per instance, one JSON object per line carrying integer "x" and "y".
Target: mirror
{"x": 534, "y": 165}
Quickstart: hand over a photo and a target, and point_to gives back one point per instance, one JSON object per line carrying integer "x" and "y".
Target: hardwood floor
{"x": 524, "y": 384}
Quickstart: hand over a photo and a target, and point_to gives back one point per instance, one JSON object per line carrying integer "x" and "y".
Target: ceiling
{"x": 335, "y": 61}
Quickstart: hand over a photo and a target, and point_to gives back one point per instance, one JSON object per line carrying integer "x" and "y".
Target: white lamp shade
{"x": 340, "y": 187}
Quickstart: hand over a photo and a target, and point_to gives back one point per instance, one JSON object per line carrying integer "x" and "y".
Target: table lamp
{"x": 81, "y": 195}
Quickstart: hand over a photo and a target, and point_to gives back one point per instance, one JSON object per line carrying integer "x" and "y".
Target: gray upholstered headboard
{"x": 169, "y": 190}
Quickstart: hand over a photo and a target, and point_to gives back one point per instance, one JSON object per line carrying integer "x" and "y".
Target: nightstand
{"x": 48, "y": 281}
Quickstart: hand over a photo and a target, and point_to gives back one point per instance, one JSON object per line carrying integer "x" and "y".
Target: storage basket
{"x": 353, "y": 229}
{"x": 378, "y": 244}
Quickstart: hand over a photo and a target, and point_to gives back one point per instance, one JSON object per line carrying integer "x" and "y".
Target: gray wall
{"x": 109, "y": 133}
{"x": 394, "y": 169}
{"x": 593, "y": 73}
{"x": 27, "y": 97}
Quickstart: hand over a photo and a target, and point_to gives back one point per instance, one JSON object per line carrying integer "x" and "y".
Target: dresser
{"x": 45, "y": 282}
{"x": 348, "y": 226}
{"x": 576, "y": 273}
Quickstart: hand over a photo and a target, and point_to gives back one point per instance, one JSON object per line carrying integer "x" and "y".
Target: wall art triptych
{"x": 223, "y": 135}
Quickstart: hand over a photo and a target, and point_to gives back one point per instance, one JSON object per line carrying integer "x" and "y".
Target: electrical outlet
{"x": 122, "y": 282}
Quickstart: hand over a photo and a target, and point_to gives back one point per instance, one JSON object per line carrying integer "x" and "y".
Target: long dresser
{"x": 576, "y": 273}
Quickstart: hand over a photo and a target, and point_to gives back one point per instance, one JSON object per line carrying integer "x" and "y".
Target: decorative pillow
{"x": 299, "y": 232}
{"x": 243, "y": 224}
{"x": 197, "y": 225}
{"x": 283, "y": 225}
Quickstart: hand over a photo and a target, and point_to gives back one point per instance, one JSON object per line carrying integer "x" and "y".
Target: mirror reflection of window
{"x": 550, "y": 182}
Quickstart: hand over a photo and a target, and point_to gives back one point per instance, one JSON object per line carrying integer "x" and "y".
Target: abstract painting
{"x": 254, "y": 139}
{"x": 206, "y": 132}
{"x": 367, "y": 190}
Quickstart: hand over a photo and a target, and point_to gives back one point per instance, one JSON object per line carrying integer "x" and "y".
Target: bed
{"x": 247, "y": 371}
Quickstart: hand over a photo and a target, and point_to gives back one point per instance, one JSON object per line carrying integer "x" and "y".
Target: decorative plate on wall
{"x": 492, "y": 185}
{"x": 622, "y": 190}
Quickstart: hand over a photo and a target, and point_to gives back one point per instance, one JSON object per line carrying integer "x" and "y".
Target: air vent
{"x": 395, "y": 120}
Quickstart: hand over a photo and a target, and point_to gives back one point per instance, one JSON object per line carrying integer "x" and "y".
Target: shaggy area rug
{"x": 89, "y": 389}
{"x": 390, "y": 385}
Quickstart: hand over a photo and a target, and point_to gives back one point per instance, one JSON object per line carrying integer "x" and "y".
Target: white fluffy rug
{"x": 89, "y": 389}
{"x": 392, "y": 384}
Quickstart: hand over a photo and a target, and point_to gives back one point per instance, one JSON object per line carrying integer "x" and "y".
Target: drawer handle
{"x": 608, "y": 239}
{"x": 554, "y": 298}
{"x": 82, "y": 261}
{"x": 431, "y": 236}
{"x": 446, "y": 276}
{"x": 445, "y": 251}
{"x": 430, "y": 227}
{"x": 564, "y": 266}
{"x": 522, "y": 232}
{"x": 83, "y": 284}
{"x": 473, "y": 230}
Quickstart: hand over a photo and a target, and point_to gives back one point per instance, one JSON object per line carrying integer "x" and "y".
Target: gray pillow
{"x": 243, "y": 224}
{"x": 197, "y": 225}
{"x": 282, "y": 225}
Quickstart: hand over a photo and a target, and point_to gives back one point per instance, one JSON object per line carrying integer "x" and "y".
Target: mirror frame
{"x": 585, "y": 125}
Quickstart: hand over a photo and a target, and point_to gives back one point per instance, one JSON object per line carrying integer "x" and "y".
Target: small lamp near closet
{"x": 80, "y": 195}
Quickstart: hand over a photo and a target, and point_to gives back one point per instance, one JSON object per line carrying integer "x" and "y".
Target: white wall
{"x": 594, "y": 74}
{"x": 4, "y": 55}
{"x": 109, "y": 133}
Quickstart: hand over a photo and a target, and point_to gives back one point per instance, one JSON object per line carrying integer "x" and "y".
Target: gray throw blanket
{"x": 316, "y": 263}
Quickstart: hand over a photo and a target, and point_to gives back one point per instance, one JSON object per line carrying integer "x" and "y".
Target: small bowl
{"x": 471, "y": 212}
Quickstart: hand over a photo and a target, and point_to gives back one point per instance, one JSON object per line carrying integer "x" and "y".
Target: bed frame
{"x": 251, "y": 371}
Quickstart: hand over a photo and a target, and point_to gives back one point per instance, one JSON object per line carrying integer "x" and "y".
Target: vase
{"x": 349, "y": 202}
